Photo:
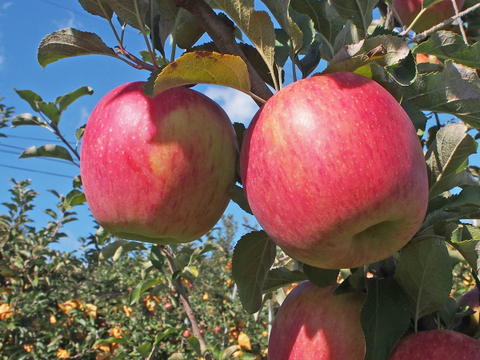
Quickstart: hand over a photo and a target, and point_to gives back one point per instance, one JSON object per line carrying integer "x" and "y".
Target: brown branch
{"x": 223, "y": 37}
{"x": 185, "y": 302}
{"x": 426, "y": 33}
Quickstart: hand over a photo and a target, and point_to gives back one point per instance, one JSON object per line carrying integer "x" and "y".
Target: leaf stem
{"x": 142, "y": 29}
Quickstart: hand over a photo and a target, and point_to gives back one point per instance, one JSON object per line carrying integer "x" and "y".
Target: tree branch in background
{"x": 426, "y": 33}
{"x": 223, "y": 37}
{"x": 185, "y": 302}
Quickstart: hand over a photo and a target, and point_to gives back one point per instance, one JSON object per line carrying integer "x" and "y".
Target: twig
{"x": 223, "y": 37}
{"x": 460, "y": 24}
{"x": 186, "y": 303}
{"x": 430, "y": 31}
{"x": 138, "y": 64}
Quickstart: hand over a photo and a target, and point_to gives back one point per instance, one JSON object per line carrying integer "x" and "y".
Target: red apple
{"x": 313, "y": 324}
{"x": 436, "y": 345}
{"x": 408, "y": 10}
{"x": 158, "y": 169}
{"x": 334, "y": 171}
{"x": 471, "y": 299}
{"x": 187, "y": 333}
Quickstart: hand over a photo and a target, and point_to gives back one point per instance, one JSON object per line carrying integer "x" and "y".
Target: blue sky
{"x": 23, "y": 24}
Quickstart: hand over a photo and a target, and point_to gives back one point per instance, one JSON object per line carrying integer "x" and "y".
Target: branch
{"x": 433, "y": 29}
{"x": 222, "y": 36}
{"x": 186, "y": 303}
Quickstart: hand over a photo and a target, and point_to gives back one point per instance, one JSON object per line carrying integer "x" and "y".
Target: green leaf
{"x": 31, "y": 97}
{"x": 142, "y": 287}
{"x": 386, "y": 50}
{"x": 145, "y": 349}
{"x": 70, "y": 42}
{"x": 455, "y": 90}
{"x": 53, "y": 151}
{"x": 74, "y": 197}
{"x": 326, "y": 19}
{"x": 252, "y": 258}
{"x": 447, "y": 45}
{"x": 111, "y": 340}
{"x": 359, "y": 12}
{"x": 28, "y": 119}
{"x": 257, "y": 25}
{"x": 50, "y": 110}
{"x": 279, "y": 277}
{"x": 160, "y": 336}
{"x": 466, "y": 240}
{"x": 385, "y": 317}
{"x": 195, "y": 344}
{"x": 280, "y": 10}
{"x": 418, "y": 117}
{"x": 206, "y": 68}
{"x": 187, "y": 31}
{"x": 237, "y": 194}
{"x": 119, "y": 248}
{"x": 321, "y": 277}
{"x": 424, "y": 272}
{"x": 127, "y": 11}
{"x": 157, "y": 258}
{"x": 447, "y": 156}
{"x": 97, "y": 7}
{"x": 66, "y": 100}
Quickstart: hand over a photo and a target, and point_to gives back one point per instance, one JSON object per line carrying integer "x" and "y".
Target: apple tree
{"x": 358, "y": 173}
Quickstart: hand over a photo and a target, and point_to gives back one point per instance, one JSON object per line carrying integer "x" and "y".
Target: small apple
{"x": 470, "y": 299}
{"x": 217, "y": 329}
{"x": 436, "y": 345}
{"x": 334, "y": 171}
{"x": 158, "y": 169}
{"x": 313, "y": 324}
{"x": 408, "y": 10}
{"x": 187, "y": 333}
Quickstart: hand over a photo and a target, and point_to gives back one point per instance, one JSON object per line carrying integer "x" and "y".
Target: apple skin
{"x": 334, "y": 172}
{"x": 471, "y": 299}
{"x": 408, "y": 10}
{"x": 436, "y": 345}
{"x": 158, "y": 169}
{"x": 315, "y": 324}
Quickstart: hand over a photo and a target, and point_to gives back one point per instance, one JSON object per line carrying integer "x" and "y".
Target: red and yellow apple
{"x": 314, "y": 324}
{"x": 158, "y": 169}
{"x": 408, "y": 10}
{"x": 436, "y": 345}
{"x": 334, "y": 171}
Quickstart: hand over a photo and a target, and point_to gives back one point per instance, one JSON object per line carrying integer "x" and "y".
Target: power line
{"x": 65, "y": 162}
{"x": 36, "y": 171}
{"x": 33, "y": 138}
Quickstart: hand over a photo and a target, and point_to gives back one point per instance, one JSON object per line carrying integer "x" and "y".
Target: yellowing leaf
{"x": 204, "y": 67}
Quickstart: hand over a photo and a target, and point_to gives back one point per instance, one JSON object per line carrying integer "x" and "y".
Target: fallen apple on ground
{"x": 408, "y": 10}
{"x": 334, "y": 171}
{"x": 437, "y": 345}
{"x": 313, "y": 324}
{"x": 158, "y": 169}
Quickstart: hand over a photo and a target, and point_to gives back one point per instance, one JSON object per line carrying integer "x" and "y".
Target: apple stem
{"x": 185, "y": 302}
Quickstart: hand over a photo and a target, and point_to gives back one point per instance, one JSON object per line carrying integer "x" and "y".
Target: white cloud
{"x": 239, "y": 106}
{"x": 7, "y": 5}
{"x": 70, "y": 22}
{"x": 84, "y": 115}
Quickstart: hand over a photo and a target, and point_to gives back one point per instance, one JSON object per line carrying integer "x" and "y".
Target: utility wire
{"x": 65, "y": 162}
{"x": 33, "y": 138}
{"x": 36, "y": 171}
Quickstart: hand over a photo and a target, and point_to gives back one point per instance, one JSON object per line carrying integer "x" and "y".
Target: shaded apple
{"x": 436, "y": 345}
{"x": 471, "y": 300}
{"x": 313, "y": 324}
{"x": 334, "y": 171}
{"x": 408, "y": 10}
{"x": 158, "y": 169}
